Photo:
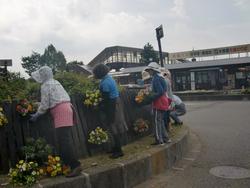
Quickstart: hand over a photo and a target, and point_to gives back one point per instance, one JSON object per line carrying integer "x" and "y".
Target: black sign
{"x": 5, "y": 62}
{"x": 159, "y": 32}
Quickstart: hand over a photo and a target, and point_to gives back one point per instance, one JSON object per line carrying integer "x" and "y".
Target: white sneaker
{"x": 169, "y": 141}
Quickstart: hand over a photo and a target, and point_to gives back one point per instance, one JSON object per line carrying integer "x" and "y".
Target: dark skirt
{"x": 119, "y": 125}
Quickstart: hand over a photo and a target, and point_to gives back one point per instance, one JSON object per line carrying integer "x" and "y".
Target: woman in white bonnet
{"x": 55, "y": 99}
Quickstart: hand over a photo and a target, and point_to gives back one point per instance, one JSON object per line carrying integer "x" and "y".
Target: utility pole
{"x": 159, "y": 35}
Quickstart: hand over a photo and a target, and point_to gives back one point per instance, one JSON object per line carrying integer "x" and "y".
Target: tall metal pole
{"x": 159, "y": 35}
{"x": 160, "y": 51}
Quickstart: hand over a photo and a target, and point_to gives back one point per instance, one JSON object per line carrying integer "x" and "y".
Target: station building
{"x": 209, "y": 69}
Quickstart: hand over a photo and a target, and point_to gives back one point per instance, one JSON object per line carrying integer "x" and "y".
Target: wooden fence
{"x": 13, "y": 136}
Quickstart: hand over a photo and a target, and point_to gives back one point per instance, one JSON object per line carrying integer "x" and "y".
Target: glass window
{"x": 240, "y": 75}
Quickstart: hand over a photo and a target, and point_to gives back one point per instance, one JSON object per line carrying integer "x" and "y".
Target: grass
{"x": 131, "y": 151}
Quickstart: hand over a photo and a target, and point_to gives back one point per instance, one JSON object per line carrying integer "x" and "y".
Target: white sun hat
{"x": 153, "y": 66}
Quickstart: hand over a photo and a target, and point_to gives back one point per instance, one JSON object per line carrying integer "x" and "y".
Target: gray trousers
{"x": 161, "y": 135}
{"x": 179, "y": 111}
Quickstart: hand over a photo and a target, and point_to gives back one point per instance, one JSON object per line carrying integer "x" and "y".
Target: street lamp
{"x": 159, "y": 35}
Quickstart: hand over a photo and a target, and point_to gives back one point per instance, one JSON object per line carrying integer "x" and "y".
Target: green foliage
{"x": 13, "y": 88}
{"x": 18, "y": 88}
{"x": 25, "y": 174}
{"x": 36, "y": 150}
{"x": 51, "y": 57}
{"x": 31, "y": 63}
{"x": 32, "y": 91}
{"x": 98, "y": 136}
{"x": 76, "y": 83}
{"x": 148, "y": 54}
{"x": 245, "y": 91}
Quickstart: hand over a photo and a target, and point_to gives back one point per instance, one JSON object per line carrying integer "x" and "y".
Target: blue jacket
{"x": 159, "y": 86}
{"x": 108, "y": 85}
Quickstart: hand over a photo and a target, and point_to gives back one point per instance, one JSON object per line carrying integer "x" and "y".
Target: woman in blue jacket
{"x": 160, "y": 103}
{"x": 111, "y": 107}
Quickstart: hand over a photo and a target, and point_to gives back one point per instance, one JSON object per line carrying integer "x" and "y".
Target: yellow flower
{"x": 57, "y": 158}
{"x": 14, "y": 173}
{"x": 53, "y": 173}
{"x": 21, "y": 162}
{"x": 41, "y": 171}
{"x": 33, "y": 173}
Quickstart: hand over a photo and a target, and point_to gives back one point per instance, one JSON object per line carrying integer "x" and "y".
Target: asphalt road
{"x": 222, "y": 138}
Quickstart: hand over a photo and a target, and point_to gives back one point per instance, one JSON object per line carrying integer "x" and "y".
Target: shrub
{"x": 98, "y": 136}
{"x": 32, "y": 90}
{"x": 76, "y": 83}
{"x": 245, "y": 91}
{"x": 92, "y": 98}
{"x": 25, "y": 174}
{"x": 14, "y": 88}
{"x": 36, "y": 150}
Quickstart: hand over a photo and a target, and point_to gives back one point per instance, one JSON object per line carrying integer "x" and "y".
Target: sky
{"x": 81, "y": 29}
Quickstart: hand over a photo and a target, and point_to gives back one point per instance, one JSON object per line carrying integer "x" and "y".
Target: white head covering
{"x": 153, "y": 66}
{"x": 165, "y": 72}
{"x": 43, "y": 74}
{"x": 52, "y": 92}
{"x": 145, "y": 75}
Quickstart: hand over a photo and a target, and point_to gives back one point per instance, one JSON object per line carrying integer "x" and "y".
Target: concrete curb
{"x": 126, "y": 174}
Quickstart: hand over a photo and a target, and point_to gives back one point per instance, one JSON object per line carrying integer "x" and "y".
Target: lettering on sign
{"x": 210, "y": 52}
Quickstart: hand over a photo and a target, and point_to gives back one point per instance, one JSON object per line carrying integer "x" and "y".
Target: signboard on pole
{"x": 5, "y": 62}
{"x": 159, "y": 35}
{"x": 159, "y": 32}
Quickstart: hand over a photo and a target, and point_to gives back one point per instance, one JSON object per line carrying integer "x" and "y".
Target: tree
{"x": 51, "y": 57}
{"x": 149, "y": 54}
{"x": 31, "y": 63}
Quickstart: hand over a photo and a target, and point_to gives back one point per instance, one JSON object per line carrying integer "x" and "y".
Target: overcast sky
{"x": 81, "y": 29}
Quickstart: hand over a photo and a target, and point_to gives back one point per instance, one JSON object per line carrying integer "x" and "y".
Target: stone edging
{"x": 126, "y": 174}
{"x": 214, "y": 97}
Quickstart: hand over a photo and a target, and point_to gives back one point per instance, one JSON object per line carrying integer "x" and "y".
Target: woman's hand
{"x": 34, "y": 117}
